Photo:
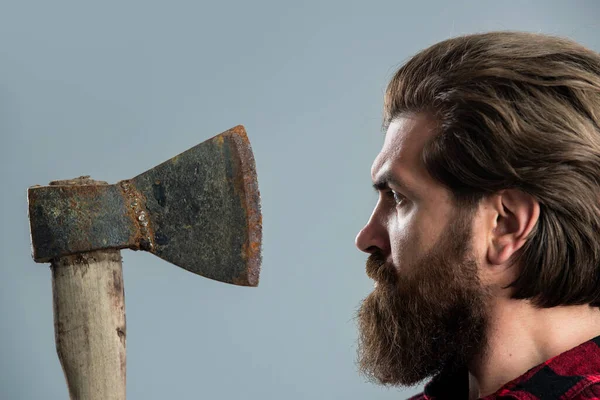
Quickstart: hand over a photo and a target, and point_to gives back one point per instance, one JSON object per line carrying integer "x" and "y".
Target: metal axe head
{"x": 199, "y": 210}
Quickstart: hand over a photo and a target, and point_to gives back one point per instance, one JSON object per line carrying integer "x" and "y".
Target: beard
{"x": 431, "y": 318}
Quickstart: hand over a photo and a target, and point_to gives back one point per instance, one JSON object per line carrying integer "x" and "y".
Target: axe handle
{"x": 89, "y": 323}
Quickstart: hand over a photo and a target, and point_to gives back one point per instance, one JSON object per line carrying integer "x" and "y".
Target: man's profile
{"x": 485, "y": 241}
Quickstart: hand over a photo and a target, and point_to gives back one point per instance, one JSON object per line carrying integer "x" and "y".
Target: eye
{"x": 397, "y": 197}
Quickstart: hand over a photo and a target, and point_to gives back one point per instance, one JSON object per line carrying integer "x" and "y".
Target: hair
{"x": 518, "y": 110}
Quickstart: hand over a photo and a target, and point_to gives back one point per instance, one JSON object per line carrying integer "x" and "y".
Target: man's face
{"x": 428, "y": 310}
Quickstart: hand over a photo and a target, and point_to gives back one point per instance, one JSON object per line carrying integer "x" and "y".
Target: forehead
{"x": 404, "y": 141}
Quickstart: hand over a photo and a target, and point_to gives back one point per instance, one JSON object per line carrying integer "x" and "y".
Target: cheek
{"x": 406, "y": 245}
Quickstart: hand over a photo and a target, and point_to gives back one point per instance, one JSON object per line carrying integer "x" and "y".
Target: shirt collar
{"x": 558, "y": 374}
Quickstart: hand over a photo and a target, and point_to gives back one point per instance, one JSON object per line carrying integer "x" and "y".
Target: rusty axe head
{"x": 199, "y": 210}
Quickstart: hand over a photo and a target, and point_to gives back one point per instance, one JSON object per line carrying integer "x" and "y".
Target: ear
{"x": 514, "y": 215}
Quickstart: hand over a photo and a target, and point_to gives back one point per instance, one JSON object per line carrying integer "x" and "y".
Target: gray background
{"x": 112, "y": 88}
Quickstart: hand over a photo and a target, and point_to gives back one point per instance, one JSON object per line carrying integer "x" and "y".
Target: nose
{"x": 373, "y": 237}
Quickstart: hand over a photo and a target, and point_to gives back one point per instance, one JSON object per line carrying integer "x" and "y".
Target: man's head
{"x": 488, "y": 186}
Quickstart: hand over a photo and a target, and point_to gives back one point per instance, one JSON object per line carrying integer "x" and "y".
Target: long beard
{"x": 412, "y": 327}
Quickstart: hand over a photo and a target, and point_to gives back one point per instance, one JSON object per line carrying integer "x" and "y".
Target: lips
{"x": 381, "y": 271}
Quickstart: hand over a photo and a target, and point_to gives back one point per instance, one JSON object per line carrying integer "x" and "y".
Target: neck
{"x": 521, "y": 336}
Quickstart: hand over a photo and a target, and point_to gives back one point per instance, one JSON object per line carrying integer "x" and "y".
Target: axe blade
{"x": 199, "y": 210}
{"x": 204, "y": 209}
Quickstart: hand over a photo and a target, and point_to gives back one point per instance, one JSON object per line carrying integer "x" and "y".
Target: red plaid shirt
{"x": 572, "y": 375}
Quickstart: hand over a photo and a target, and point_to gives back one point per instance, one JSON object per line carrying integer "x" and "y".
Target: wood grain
{"x": 89, "y": 323}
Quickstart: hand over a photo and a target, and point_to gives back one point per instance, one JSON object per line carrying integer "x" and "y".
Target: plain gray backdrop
{"x": 112, "y": 88}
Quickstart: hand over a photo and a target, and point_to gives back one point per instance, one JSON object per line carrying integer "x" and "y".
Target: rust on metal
{"x": 199, "y": 210}
{"x": 246, "y": 187}
{"x": 69, "y": 219}
{"x": 135, "y": 205}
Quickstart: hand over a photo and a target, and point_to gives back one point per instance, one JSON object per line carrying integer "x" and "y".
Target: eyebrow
{"x": 387, "y": 179}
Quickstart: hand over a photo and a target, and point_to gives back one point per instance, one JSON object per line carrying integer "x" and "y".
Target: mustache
{"x": 379, "y": 270}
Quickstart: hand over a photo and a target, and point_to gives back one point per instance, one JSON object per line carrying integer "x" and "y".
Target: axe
{"x": 199, "y": 210}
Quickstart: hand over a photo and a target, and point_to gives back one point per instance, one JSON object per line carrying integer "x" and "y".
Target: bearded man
{"x": 484, "y": 244}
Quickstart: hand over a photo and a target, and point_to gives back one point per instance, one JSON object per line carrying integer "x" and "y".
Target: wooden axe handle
{"x": 89, "y": 323}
